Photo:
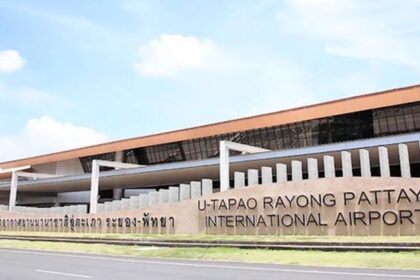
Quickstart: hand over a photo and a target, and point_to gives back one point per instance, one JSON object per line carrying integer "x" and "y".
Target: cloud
{"x": 46, "y": 135}
{"x": 171, "y": 55}
{"x": 10, "y": 61}
{"x": 388, "y": 30}
{"x": 30, "y": 97}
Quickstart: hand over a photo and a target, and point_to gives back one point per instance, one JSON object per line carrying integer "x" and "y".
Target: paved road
{"x": 33, "y": 265}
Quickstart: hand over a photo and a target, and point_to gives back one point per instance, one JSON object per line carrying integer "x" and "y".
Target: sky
{"x": 76, "y": 73}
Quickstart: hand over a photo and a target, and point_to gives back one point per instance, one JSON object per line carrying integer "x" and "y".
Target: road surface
{"x": 33, "y": 265}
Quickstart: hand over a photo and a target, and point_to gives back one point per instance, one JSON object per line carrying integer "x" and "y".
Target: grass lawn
{"x": 402, "y": 260}
{"x": 203, "y": 237}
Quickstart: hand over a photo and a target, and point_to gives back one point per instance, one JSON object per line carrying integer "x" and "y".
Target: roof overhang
{"x": 183, "y": 172}
{"x": 337, "y": 107}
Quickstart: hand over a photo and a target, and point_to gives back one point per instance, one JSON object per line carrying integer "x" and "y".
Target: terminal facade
{"x": 367, "y": 136}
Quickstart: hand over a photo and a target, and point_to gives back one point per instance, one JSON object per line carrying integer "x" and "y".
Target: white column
{"x": 404, "y": 161}
{"x": 364, "y": 163}
{"x": 207, "y": 186}
{"x": 163, "y": 196}
{"x": 108, "y": 206}
{"x": 173, "y": 194}
{"x": 81, "y": 209}
{"x": 144, "y": 200}
{"x": 312, "y": 168}
{"x": 117, "y": 194}
{"x": 94, "y": 187}
{"x": 238, "y": 179}
{"x": 99, "y": 208}
{"x": 184, "y": 192}
{"x": 384, "y": 162}
{"x": 266, "y": 175}
{"x": 153, "y": 198}
{"x": 281, "y": 172}
{"x": 134, "y": 202}
{"x": 329, "y": 167}
{"x": 346, "y": 165}
{"x": 195, "y": 189}
{"x": 296, "y": 170}
{"x": 116, "y": 205}
{"x": 252, "y": 177}
{"x": 125, "y": 204}
{"x": 13, "y": 191}
{"x": 224, "y": 166}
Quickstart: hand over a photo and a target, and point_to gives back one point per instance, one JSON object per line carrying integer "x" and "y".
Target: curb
{"x": 321, "y": 246}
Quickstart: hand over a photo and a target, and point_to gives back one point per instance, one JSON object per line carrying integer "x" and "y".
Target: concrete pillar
{"x": 346, "y": 165}
{"x": 329, "y": 167}
{"x": 144, "y": 200}
{"x": 281, "y": 172}
{"x": 252, "y": 177}
{"x": 116, "y": 205}
{"x": 312, "y": 168}
{"x": 81, "y": 209}
{"x": 364, "y": 163}
{"x": 296, "y": 170}
{"x": 13, "y": 191}
{"x": 238, "y": 179}
{"x": 404, "y": 160}
{"x": 99, "y": 208}
{"x": 195, "y": 189}
{"x": 207, "y": 185}
{"x": 134, "y": 202}
{"x": 384, "y": 162}
{"x": 125, "y": 204}
{"x": 94, "y": 186}
{"x": 108, "y": 206}
{"x": 224, "y": 166}
{"x": 117, "y": 194}
{"x": 266, "y": 175}
{"x": 153, "y": 198}
{"x": 184, "y": 192}
{"x": 163, "y": 196}
{"x": 173, "y": 194}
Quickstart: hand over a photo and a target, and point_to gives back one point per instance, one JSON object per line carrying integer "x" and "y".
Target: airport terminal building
{"x": 367, "y": 136}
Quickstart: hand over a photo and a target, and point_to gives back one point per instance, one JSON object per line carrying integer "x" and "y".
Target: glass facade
{"x": 358, "y": 125}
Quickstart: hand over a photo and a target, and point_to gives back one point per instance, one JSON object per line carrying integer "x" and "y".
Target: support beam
{"x": 224, "y": 166}
{"x": 346, "y": 165}
{"x": 207, "y": 185}
{"x": 94, "y": 183}
{"x": 252, "y": 177}
{"x": 18, "y": 172}
{"x": 94, "y": 187}
{"x": 297, "y": 170}
{"x": 117, "y": 164}
{"x": 173, "y": 194}
{"x": 238, "y": 179}
{"x": 329, "y": 167}
{"x": 404, "y": 161}
{"x": 13, "y": 191}
{"x": 35, "y": 175}
{"x": 184, "y": 192}
{"x": 10, "y": 170}
{"x": 224, "y": 148}
{"x": 163, "y": 196}
{"x": 384, "y": 162}
{"x": 364, "y": 163}
{"x": 195, "y": 189}
{"x": 312, "y": 168}
{"x": 266, "y": 175}
{"x": 281, "y": 172}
